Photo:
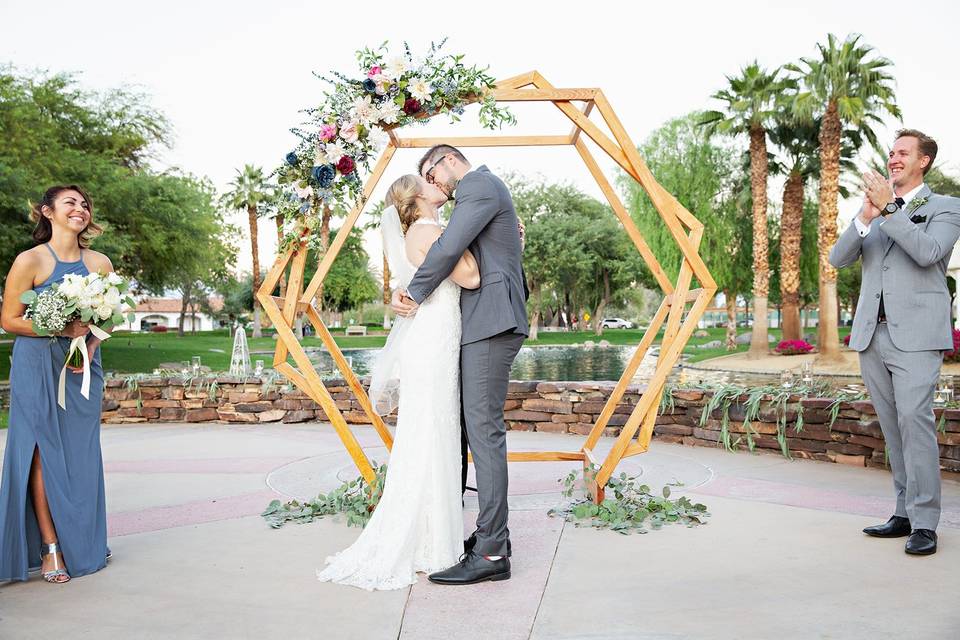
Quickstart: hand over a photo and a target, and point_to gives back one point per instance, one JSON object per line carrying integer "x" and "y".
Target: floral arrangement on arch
{"x": 793, "y": 347}
{"x": 350, "y": 126}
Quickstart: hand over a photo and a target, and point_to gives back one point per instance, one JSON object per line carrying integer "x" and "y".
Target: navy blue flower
{"x": 369, "y": 86}
{"x": 323, "y": 175}
{"x": 292, "y": 159}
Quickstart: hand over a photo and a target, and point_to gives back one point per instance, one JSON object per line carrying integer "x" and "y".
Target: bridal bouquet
{"x": 97, "y": 298}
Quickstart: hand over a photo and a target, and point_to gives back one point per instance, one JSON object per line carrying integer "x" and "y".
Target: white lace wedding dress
{"x": 418, "y": 524}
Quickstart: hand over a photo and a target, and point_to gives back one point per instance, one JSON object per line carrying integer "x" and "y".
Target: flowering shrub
{"x": 349, "y": 126}
{"x": 846, "y": 340}
{"x": 794, "y": 347}
{"x": 954, "y": 356}
{"x": 158, "y": 328}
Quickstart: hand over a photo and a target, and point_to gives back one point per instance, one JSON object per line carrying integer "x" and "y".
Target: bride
{"x": 418, "y": 523}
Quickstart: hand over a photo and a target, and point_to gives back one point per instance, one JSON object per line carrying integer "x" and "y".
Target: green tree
{"x": 845, "y": 84}
{"x": 350, "y": 283}
{"x": 750, "y": 106}
{"x": 708, "y": 180}
{"x": 251, "y": 192}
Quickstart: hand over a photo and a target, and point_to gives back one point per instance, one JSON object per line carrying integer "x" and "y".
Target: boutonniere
{"x": 915, "y": 204}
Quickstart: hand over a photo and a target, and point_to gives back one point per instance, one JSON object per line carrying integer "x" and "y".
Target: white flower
{"x": 71, "y": 286}
{"x": 112, "y": 298}
{"x": 104, "y": 311}
{"x": 420, "y": 89}
{"x": 383, "y": 83}
{"x": 334, "y": 151}
{"x": 305, "y": 192}
{"x": 114, "y": 279}
{"x": 319, "y": 158}
{"x": 377, "y": 137}
{"x": 363, "y": 110}
{"x": 388, "y": 111}
{"x": 95, "y": 286}
{"x": 395, "y": 68}
{"x": 349, "y": 133}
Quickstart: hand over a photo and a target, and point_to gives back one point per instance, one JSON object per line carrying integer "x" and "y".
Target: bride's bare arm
{"x": 420, "y": 238}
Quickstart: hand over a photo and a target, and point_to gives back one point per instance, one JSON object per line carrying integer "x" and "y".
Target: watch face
{"x": 890, "y": 208}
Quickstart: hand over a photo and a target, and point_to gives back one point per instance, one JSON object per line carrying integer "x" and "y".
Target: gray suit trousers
{"x": 901, "y": 386}
{"x": 484, "y": 377}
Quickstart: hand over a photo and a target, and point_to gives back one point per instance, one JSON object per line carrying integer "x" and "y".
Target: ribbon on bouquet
{"x": 79, "y": 343}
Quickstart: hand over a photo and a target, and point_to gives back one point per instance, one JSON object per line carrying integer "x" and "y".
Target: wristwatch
{"x": 890, "y": 207}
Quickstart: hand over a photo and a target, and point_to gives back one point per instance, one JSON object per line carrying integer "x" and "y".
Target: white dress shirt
{"x": 864, "y": 229}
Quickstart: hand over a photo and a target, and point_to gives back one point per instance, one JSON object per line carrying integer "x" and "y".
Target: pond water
{"x": 566, "y": 363}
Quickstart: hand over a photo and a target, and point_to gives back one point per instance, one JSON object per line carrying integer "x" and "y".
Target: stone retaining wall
{"x": 554, "y": 407}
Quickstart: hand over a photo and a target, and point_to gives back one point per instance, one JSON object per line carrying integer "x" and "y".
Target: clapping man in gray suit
{"x": 905, "y": 234}
{"x": 494, "y": 319}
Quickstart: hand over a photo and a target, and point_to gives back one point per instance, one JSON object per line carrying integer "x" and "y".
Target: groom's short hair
{"x": 436, "y": 152}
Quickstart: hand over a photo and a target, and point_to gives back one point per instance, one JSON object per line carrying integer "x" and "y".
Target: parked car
{"x": 616, "y": 323}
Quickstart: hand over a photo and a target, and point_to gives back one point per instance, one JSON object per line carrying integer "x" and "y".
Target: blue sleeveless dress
{"x": 69, "y": 444}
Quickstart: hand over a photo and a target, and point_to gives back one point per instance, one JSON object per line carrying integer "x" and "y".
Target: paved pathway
{"x": 782, "y": 556}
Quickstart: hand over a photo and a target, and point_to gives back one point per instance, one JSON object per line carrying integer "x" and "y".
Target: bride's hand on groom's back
{"x": 402, "y": 304}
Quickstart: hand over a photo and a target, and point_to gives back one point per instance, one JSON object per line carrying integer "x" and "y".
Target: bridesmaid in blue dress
{"x": 52, "y": 507}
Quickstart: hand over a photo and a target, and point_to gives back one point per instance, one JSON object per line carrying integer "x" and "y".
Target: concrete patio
{"x": 782, "y": 555}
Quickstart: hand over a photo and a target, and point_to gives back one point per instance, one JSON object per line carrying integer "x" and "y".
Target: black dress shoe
{"x": 895, "y": 527}
{"x": 471, "y": 542}
{"x": 922, "y": 542}
{"x": 473, "y": 569}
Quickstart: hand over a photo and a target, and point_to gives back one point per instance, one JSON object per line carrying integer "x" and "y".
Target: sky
{"x": 233, "y": 77}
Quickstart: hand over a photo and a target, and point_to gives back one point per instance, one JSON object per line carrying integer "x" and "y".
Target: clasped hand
{"x": 402, "y": 304}
{"x": 877, "y": 193}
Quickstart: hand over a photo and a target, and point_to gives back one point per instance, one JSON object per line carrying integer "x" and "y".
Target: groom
{"x": 905, "y": 234}
{"x": 494, "y": 321}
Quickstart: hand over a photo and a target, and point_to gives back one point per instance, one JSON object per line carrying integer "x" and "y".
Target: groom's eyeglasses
{"x": 429, "y": 174}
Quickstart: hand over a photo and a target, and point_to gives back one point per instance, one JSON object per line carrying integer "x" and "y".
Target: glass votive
{"x": 195, "y": 365}
{"x": 185, "y": 367}
{"x": 786, "y": 379}
{"x": 258, "y": 368}
{"x": 944, "y": 389}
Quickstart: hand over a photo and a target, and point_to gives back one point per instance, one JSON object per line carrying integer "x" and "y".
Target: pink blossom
{"x": 349, "y": 132}
{"x": 327, "y": 132}
{"x": 374, "y": 71}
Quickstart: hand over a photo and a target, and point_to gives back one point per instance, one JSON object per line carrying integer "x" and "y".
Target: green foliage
{"x": 708, "y": 180}
{"x": 52, "y": 132}
{"x": 630, "y": 507}
{"x": 355, "y": 499}
{"x": 349, "y": 283}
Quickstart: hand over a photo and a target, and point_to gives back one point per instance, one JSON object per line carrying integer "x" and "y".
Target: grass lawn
{"x": 144, "y": 352}
{"x": 4, "y": 419}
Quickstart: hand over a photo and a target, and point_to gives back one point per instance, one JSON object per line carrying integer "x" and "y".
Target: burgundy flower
{"x": 411, "y": 106}
{"x": 346, "y": 165}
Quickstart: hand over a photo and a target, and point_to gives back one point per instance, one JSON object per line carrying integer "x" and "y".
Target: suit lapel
{"x": 925, "y": 192}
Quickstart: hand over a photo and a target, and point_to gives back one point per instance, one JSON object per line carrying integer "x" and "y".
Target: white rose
{"x": 105, "y": 311}
{"x": 112, "y": 298}
{"x": 114, "y": 279}
{"x": 95, "y": 287}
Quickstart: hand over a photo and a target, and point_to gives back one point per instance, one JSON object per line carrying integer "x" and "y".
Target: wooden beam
{"x": 627, "y": 376}
{"x": 542, "y": 95}
{"x": 624, "y": 216}
{"x": 691, "y": 296}
{"x": 315, "y": 388}
{"x": 487, "y": 141}
{"x": 347, "y": 225}
{"x": 349, "y": 376}
{"x": 518, "y": 81}
{"x": 575, "y": 134}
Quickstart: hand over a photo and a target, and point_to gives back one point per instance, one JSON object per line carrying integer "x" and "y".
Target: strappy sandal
{"x": 59, "y": 574}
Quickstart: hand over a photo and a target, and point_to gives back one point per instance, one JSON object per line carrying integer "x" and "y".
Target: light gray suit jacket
{"x": 485, "y": 222}
{"x": 906, "y": 261}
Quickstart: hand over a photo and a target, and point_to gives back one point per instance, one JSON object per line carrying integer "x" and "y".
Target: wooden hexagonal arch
{"x": 577, "y": 105}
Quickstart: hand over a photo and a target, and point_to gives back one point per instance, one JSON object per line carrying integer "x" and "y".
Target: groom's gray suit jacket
{"x": 485, "y": 222}
{"x": 907, "y": 263}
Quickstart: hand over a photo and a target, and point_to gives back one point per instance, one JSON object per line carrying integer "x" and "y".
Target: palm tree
{"x": 844, "y": 85}
{"x": 750, "y": 107}
{"x": 250, "y": 191}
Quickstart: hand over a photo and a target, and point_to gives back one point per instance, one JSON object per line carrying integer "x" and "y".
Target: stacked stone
{"x": 552, "y": 407}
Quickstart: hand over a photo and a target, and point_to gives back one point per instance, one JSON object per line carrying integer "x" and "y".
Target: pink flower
{"x": 349, "y": 132}
{"x": 374, "y": 71}
{"x": 794, "y": 347}
{"x": 327, "y": 132}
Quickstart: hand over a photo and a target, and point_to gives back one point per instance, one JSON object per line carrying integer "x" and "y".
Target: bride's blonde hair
{"x": 402, "y": 194}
